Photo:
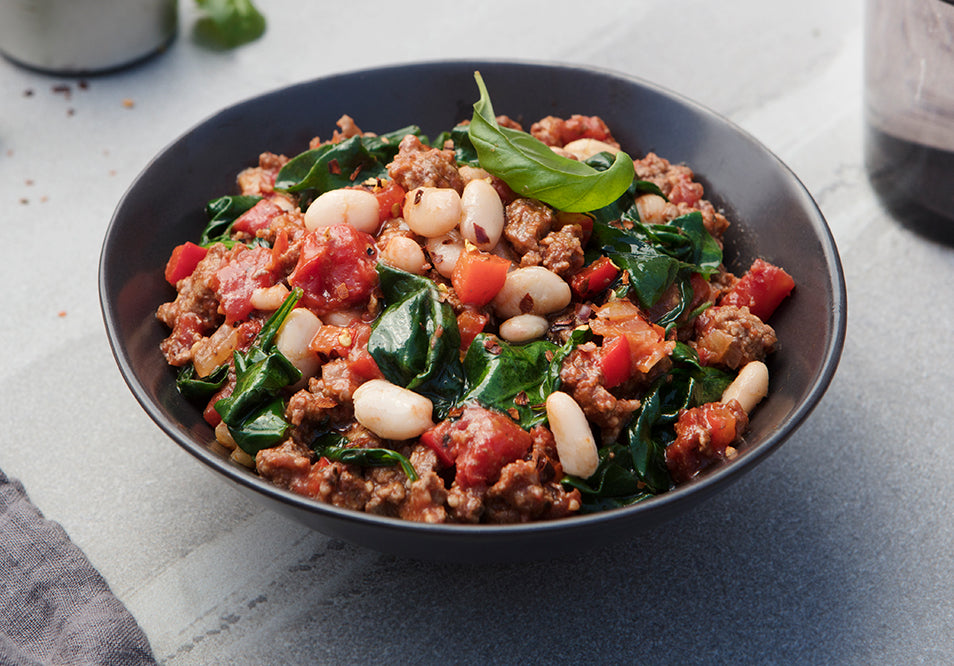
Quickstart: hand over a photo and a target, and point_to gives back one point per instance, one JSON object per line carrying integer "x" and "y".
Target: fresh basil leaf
{"x": 195, "y": 388}
{"x": 222, "y": 214}
{"x": 254, "y": 413}
{"x": 229, "y": 23}
{"x": 415, "y": 340}
{"x": 532, "y": 169}
{"x": 503, "y": 376}
{"x": 332, "y": 166}
{"x": 464, "y": 151}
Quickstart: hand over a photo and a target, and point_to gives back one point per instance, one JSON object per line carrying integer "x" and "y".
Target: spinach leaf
{"x": 197, "y": 388}
{"x": 333, "y": 446}
{"x": 415, "y": 340}
{"x": 464, "y": 151}
{"x": 503, "y": 376}
{"x": 655, "y": 256}
{"x": 613, "y": 485}
{"x": 532, "y": 169}
{"x": 635, "y": 469}
{"x": 229, "y": 23}
{"x": 335, "y": 165}
{"x": 222, "y": 214}
{"x": 254, "y": 413}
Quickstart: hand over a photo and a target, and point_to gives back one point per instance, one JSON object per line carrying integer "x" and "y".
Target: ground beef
{"x": 582, "y": 379}
{"x": 561, "y": 251}
{"x": 287, "y": 465}
{"x": 417, "y": 165}
{"x": 730, "y": 336}
{"x": 466, "y": 505}
{"x": 194, "y": 313}
{"x": 558, "y": 132}
{"x": 705, "y": 435}
{"x": 527, "y": 221}
{"x": 530, "y": 489}
{"x": 260, "y": 180}
{"x": 676, "y": 181}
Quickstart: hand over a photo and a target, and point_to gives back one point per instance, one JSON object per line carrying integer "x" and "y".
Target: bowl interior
{"x": 773, "y": 217}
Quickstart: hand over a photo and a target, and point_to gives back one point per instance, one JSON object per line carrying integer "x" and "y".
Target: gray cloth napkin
{"x": 55, "y": 608}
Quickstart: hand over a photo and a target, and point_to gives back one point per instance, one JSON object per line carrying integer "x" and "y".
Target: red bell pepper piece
{"x": 478, "y": 276}
{"x": 594, "y": 278}
{"x": 183, "y": 261}
{"x": 616, "y": 361}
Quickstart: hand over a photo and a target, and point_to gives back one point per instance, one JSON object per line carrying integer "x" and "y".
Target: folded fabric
{"x": 55, "y": 608}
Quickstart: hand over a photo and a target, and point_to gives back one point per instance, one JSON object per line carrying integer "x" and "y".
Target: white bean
{"x": 584, "y": 149}
{"x": 523, "y": 328}
{"x": 293, "y": 337}
{"x": 469, "y": 173}
{"x": 432, "y": 211}
{"x": 575, "y": 444}
{"x": 391, "y": 411}
{"x": 268, "y": 298}
{"x": 533, "y": 290}
{"x": 444, "y": 251}
{"x": 482, "y": 216}
{"x": 749, "y": 386}
{"x": 404, "y": 253}
{"x": 652, "y": 208}
{"x": 358, "y": 208}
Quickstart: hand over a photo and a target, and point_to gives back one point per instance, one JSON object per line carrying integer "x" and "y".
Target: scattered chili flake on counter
{"x": 492, "y": 325}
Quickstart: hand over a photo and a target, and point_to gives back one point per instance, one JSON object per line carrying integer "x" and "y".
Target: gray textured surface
{"x": 836, "y": 549}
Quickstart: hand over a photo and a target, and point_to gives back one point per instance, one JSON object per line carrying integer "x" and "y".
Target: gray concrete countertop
{"x": 837, "y": 549}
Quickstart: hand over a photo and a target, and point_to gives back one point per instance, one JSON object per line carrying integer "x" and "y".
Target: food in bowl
{"x": 490, "y": 326}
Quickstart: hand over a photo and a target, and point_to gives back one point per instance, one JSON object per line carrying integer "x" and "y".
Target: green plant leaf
{"x": 532, "y": 169}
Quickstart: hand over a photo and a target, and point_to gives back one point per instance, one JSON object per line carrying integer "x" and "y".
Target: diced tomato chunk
{"x": 593, "y": 279}
{"x": 478, "y": 276}
{"x": 470, "y": 323}
{"x": 183, "y": 261}
{"x": 647, "y": 341}
{"x": 480, "y": 442}
{"x": 703, "y": 436}
{"x": 350, "y": 343}
{"x": 257, "y": 217}
{"x": 244, "y": 272}
{"x": 582, "y": 220}
{"x": 762, "y": 289}
{"x": 390, "y": 200}
{"x": 615, "y": 361}
{"x": 335, "y": 268}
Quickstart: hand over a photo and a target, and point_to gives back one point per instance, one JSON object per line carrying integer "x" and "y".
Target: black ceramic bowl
{"x": 773, "y": 216}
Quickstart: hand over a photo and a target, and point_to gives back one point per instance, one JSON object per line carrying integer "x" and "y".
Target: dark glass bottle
{"x": 909, "y": 111}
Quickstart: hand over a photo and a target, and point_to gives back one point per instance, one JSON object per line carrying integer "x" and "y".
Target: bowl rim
{"x": 708, "y": 483}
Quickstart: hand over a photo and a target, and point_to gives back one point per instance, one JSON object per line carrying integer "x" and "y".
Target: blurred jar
{"x": 84, "y": 36}
{"x": 909, "y": 110}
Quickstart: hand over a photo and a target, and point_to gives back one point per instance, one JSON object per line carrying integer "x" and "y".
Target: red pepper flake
{"x": 128, "y": 103}
{"x": 70, "y": 112}
{"x": 514, "y": 413}
{"x": 29, "y": 182}
{"x": 354, "y": 174}
{"x": 334, "y": 167}
{"x": 83, "y": 85}
{"x": 24, "y": 201}
{"x": 28, "y": 92}
{"x": 61, "y": 313}
{"x": 521, "y": 399}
